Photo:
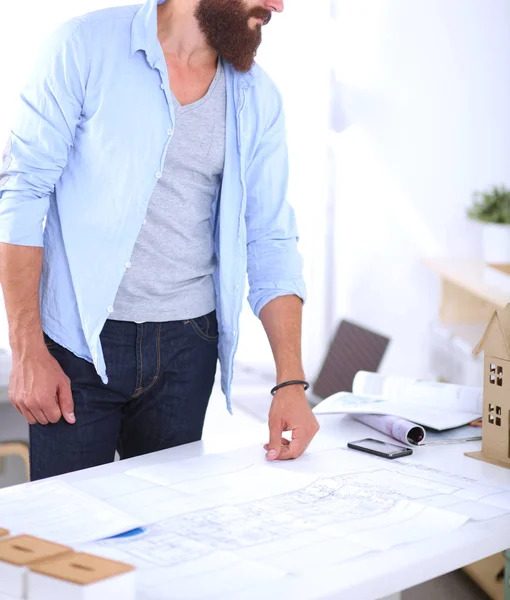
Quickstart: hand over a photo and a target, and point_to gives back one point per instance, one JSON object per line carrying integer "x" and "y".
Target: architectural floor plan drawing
{"x": 290, "y": 526}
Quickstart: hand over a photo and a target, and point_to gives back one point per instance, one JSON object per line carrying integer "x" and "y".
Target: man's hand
{"x": 40, "y": 389}
{"x": 290, "y": 411}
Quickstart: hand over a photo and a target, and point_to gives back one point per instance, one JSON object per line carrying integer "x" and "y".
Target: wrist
{"x": 26, "y": 345}
{"x": 290, "y": 375}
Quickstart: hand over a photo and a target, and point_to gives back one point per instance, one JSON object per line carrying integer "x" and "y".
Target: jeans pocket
{"x": 206, "y": 327}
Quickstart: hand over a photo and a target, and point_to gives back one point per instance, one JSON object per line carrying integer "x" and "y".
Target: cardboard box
{"x": 489, "y": 575}
{"x": 16, "y": 555}
{"x": 81, "y": 576}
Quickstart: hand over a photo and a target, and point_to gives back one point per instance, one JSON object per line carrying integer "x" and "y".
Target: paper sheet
{"x": 112, "y": 486}
{"x": 431, "y": 404}
{"x": 170, "y": 569}
{"x": 327, "y": 522}
{"x": 453, "y": 436}
{"x": 191, "y": 468}
{"x": 428, "y": 415}
{"x": 448, "y": 396}
{"x": 157, "y": 503}
{"x": 235, "y": 520}
{"x": 57, "y": 512}
{"x": 277, "y": 521}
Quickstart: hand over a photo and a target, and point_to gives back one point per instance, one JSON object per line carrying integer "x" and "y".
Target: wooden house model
{"x": 495, "y": 344}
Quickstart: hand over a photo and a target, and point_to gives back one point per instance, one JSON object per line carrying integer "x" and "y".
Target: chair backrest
{"x": 354, "y": 348}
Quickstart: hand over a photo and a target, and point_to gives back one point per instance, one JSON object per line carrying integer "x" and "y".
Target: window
{"x": 496, "y": 375}
{"x": 494, "y": 416}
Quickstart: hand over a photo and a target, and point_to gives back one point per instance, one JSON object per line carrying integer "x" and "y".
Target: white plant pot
{"x": 496, "y": 243}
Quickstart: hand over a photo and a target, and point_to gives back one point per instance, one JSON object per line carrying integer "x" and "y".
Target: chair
{"x": 16, "y": 449}
{"x": 13, "y": 432}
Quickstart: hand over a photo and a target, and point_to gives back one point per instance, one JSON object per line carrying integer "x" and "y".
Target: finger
{"x": 285, "y": 442}
{"x": 66, "y": 403}
{"x": 275, "y": 441}
{"x": 38, "y": 414}
{"x": 291, "y": 452}
{"x": 286, "y": 454}
{"x": 27, "y": 414}
{"x": 52, "y": 411}
{"x": 23, "y": 409}
{"x": 296, "y": 448}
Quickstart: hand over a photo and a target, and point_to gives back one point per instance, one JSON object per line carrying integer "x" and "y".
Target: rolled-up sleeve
{"x": 275, "y": 267}
{"x": 43, "y": 134}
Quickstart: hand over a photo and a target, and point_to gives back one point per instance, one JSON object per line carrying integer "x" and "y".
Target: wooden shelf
{"x": 470, "y": 290}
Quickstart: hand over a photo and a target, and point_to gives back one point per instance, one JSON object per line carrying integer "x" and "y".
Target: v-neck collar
{"x": 183, "y": 108}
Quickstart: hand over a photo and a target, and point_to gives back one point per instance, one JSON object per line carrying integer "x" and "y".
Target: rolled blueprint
{"x": 400, "y": 429}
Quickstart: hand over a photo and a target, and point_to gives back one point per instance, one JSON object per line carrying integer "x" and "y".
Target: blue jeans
{"x": 160, "y": 378}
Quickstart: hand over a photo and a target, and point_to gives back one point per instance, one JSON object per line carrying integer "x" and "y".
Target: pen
{"x": 128, "y": 534}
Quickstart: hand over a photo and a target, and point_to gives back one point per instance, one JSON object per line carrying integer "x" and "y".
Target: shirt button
{"x": 162, "y": 86}
{"x": 145, "y": 221}
{"x": 158, "y": 175}
{"x": 237, "y": 287}
{"x": 128, "y": 265}
{"x": 110, "y": 309}
{"x": 234, "y": 333}
{"x": 170, "y": 131}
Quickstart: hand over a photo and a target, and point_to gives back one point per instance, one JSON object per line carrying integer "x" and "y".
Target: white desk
{"x": 378, "y": 574}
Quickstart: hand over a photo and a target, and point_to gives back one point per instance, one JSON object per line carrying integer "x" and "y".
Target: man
{"x": 155, "y": 150}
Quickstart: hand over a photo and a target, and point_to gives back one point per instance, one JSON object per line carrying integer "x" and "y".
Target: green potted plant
{"x": 492, "y": 209}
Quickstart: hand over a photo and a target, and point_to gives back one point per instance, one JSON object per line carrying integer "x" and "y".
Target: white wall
{"x": 425, "y": 91}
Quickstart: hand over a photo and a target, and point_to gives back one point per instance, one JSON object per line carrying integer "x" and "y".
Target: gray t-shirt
{"x": 170, "y": 276}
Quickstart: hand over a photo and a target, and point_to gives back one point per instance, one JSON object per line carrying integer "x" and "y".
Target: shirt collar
{"x": 144, "y": 30}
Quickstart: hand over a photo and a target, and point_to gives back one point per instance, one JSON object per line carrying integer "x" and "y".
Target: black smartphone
{"x": 380, "y": 448}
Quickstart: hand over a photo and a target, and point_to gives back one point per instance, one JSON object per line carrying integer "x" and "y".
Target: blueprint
{"x": 253, "y": 523}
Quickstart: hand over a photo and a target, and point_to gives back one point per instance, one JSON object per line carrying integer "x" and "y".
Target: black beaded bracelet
{"x": 287, "y": 383}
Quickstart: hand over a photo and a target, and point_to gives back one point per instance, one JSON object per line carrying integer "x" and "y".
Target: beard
{"x": 225, "y": 24}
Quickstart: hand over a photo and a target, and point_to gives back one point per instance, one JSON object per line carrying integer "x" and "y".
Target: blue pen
{"x": 128, "y": 534}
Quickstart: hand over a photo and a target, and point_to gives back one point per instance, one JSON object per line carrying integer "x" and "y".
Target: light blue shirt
{"x": 86, "y": 152}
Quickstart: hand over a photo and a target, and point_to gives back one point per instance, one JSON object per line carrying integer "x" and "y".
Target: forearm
{"x": 282, "y": 320}
{"x": 20, "y": 275}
